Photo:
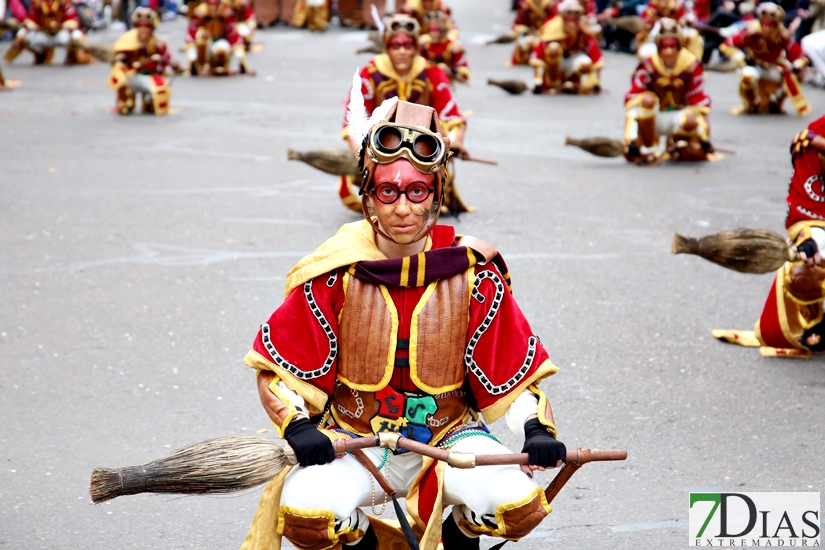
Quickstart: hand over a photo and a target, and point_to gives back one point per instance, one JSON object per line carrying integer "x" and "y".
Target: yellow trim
{"x": 684, "y": 61}
{"x": 384, "y": 65}
{"x": 422, "y": 264}
{"x": 354, "y": 242}
{"x": 782, "y": 311}
{"x": 502, "y": 529}
{"x": 315, "y": 398}
{"x": 279, "y": 393}
{"x": 390, "y": 354}
{"x": 542, "y": 406}
{"x": 262, "y": 532}
{"x": 497, "y": 409}
{"x": 312, "y": 514}
{"x": 432, "y": 531}
{"x": 797, "y": 228}
{"x": 405, "y": 271}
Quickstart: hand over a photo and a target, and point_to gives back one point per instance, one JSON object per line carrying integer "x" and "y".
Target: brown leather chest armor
{"x": 368, "y": 341}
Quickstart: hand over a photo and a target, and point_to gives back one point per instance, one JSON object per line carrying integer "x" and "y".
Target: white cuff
{"x": 296, "y": 400}
{"x": 525, "y": 405}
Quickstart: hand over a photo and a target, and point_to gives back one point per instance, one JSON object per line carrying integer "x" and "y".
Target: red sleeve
{"x": 232, "y": 35}
{"x": 521, "y": 16}
{"x": 194, "y": 23}
{"x": 806, "y": 193}
{"x": 301, "y": 337}
{"x": 441, "y": 95}
{"x": 649, "y": 15}
{"x": 638, "y": 84}
{"x": 591, "y": 48}
{"x": 502, "y": 350}
{"x": 738, "y": 40}
{"x": 793, "y": 50}
{"x": 69, "y": 12}
{"x": 695, "y": 94}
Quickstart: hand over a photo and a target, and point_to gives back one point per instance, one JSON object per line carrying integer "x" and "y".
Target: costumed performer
{"x": 398, "y": 325}
{"x": 667, "y": 99}
{"x": 654, "y": 12}
{"x": 568, "y": 58}
{"x": 530, "y": 16}
{"x": 213, "y": 40}
{"x": 401, "y": 72}
{"x": 140, "y": 62}
{"x": 791, "y": 321}
{"x": 50, "y": 24}
{"x": 770, "y": 59}
{"x": 442, "y": 50}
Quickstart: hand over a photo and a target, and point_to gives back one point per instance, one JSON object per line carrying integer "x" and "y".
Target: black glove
{"x": 310, "y": 446}
{"x": 809, "y": 247}
{"x": 543, "y": 448}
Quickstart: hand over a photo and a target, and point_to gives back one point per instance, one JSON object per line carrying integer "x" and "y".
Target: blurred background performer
{"x": 770, "y": 59}
{"x": 213, "y": 40}
{"x": 50, "y": 24}
{"x": 442, "y": 50}
{"x": 667, "y": 99}
{"x": 568, "y": 58}
{"x": 141, "y": 60}
{"x": 402, "y": 73}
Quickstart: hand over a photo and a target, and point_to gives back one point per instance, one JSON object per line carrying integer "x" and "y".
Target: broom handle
{"x": 469, "y": 460}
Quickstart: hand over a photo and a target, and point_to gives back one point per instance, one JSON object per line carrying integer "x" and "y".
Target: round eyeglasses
{"x": 388, "y": 193}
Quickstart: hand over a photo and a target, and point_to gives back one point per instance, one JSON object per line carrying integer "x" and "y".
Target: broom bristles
{"x": 743, "y": 250}
{"x": 215, "y": 466}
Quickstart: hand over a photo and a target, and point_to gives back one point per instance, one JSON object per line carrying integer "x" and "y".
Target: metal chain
{"x": 386, "y": 462}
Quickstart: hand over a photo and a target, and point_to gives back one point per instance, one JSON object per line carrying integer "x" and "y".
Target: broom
{"x": 338, "y": 162}
{"x": 514, "y": 87}
{"x": 236, "y": 463}
{"x": 743, "y": 250}
{"x": 599, "y": 146}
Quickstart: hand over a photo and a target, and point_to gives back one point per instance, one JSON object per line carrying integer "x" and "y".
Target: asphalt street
{"x": 139, "y": 255}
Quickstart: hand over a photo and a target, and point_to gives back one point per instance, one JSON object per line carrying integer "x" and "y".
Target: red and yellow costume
{"x": 312, "y": 14}
{"x": 791, "y": 321}
{"x": 213, "y": 40}
{"x": 668, "y": 102}
{"x": 366, "y": 344}
{"x": 565, "y": 60}
{"x": 530, "y": 16}
{"x": 770, "y": 59}
{"x": 425, "y": 84}
{"x": 445, "y": 52}
{"x": 139, "y": 67}
{"x": 420, "y": 8}
{"x": 50, "y": 24}
{"x": 358, "y": 13}
{"x": 655, "y": 11}
{"x": 245, "y": 21}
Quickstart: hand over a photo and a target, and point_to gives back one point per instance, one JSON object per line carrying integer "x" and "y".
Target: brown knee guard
{"x": 517, "y": 519}
{"x": 647, "y": 119}
{"x": 747, "y": 91}
{"x": 804, "y": 283}
{"x": 308, "y": 529}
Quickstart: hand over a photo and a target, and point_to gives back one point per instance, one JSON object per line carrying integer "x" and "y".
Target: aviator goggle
{"x": 402, "y": 25}
{"x": 772, "y": 13}
{"x": 424, "y": 149}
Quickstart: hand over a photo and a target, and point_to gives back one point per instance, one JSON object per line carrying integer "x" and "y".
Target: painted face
{"x": 571, "y": 21}
{"x": 436, "y": 31}
{"x": 401, "y": 49}
{"x": 669, "y": 49}
{"x": 144, "y": 32}
{"x": 403, "y": 221}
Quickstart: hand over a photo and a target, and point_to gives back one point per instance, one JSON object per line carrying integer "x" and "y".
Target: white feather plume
{"x": 376, "y": 17}
{"x": 359, "y": 121}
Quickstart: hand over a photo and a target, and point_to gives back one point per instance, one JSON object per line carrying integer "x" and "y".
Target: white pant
{"x": 140, "y": 83}
{"x": 573, "y": 64}
{"x": 814, "y": 47}
{"x": 344, "y": 484}
{"x": 667, "y": 122}
{"x": 758, "y": 73}
{"x": 218, "y": 46}
{"x": 39, "y": 41}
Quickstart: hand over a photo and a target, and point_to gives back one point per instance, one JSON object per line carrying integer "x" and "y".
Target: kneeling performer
{"x": 396, "y": 324}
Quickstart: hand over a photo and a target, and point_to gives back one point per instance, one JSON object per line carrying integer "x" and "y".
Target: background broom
{"x": 743, "y": 250}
